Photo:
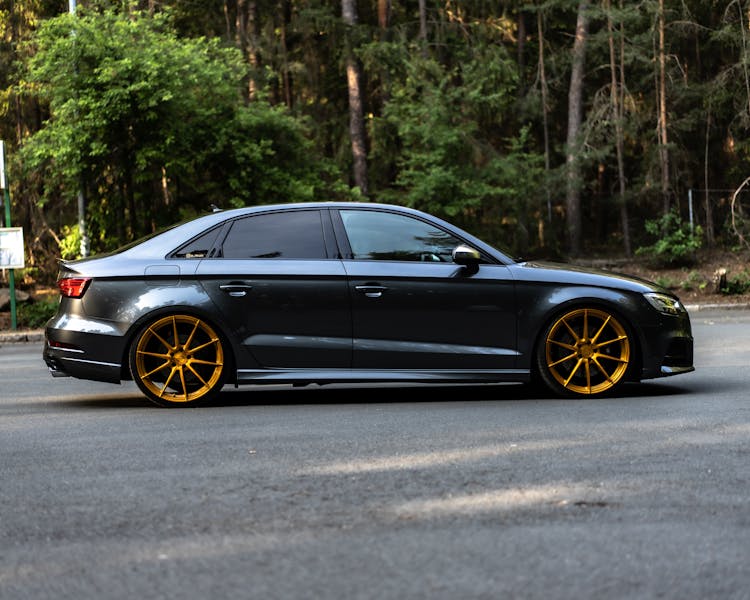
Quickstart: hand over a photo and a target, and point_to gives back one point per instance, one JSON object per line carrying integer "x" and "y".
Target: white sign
{"x": 11, "y": 248}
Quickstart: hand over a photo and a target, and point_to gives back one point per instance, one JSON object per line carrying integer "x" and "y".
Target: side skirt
{"x": 259, "y": 376}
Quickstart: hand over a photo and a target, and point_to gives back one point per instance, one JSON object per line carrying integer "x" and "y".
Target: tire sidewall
{"x": 132, "y": 363}
{"x": 540, "y": 358}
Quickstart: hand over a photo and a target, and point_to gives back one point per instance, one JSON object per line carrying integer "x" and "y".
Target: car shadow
{"x": 397, "y": 394}
{"x": 339, "y": 394}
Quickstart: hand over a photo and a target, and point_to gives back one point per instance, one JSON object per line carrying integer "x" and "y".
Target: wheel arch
{"x": 215, "y": 324}
{"x": 620, "y": 305}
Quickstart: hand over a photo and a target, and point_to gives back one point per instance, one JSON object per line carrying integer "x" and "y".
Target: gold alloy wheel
{"x": 587, "y": 351}
{"x": 178, "y": 359}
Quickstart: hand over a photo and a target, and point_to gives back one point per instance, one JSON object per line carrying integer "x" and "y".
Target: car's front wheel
{"x": 584, "y": 352}
{"x": 178, "y": 360}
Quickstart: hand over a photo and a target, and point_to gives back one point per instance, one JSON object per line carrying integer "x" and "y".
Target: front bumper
{"x": 668, "y": 348}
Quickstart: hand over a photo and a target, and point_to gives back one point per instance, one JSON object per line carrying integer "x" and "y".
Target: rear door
{"x": 280, "y": 285}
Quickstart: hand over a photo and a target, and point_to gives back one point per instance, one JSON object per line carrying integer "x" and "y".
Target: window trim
{"x": 220, "y": 234}
{"x": 348, "y": 254}
{"x": 326, "y": 233}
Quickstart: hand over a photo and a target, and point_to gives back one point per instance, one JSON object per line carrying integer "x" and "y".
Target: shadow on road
{"x": 380, "y": 394}
{"x": 393, "y": 394}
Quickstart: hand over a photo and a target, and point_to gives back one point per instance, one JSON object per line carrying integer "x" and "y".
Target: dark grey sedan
{"x": 324, "y": 293}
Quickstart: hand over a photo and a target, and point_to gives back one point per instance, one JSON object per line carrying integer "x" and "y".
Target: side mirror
{"x": 466, "y": 256}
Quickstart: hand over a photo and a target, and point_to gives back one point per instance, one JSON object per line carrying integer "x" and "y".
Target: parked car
{"x": 350, "y": 292}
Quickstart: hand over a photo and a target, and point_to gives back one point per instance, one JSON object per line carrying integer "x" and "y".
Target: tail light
{"x": 73, "y": 287}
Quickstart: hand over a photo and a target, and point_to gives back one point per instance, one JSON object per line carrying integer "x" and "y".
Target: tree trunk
{"x": 384, "y": 13}
{"x": 228, "y": 21}
{"x": 285, "y": 75}
{"x": 545, "y": 118}
{"x": 575, "y": 116}
{"x": 253, "y": 54}
{"x": 423, "y": 20}
{"x": 246, "y": 39}
{"x": 710, "y": 237}
{"x": 616, "y": 97}
{"x": 240, "y": 27}
{"x": 356, "y": 111}
{"x": 662, "y": 117}
{"x": 521, "y": 50}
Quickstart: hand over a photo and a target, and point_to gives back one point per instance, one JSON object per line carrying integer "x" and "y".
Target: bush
{"x": 675, "y": 243}
{"x": 737, "y": 284}
{"x": 34, "y": 315}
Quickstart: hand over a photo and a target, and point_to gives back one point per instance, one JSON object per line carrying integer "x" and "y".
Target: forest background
{"x": 573, "y": 128}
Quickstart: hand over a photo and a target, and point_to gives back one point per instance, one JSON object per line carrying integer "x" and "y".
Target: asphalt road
{"x": 382, "y": 492}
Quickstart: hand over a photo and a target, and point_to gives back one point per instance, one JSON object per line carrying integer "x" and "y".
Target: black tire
{"x": 585, "y": 352}
{"x": 178, "y": 360}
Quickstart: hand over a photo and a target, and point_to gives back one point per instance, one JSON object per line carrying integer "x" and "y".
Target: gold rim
{"x": 179, "y": 358}
{"x": 587, "y": 351}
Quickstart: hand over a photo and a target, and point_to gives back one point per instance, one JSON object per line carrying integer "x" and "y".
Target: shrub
{"x": 675, "y": 242}
{"x": 34, "y": 315}
{"x": 693, "y": 281}
{"x": 737, "y": 284}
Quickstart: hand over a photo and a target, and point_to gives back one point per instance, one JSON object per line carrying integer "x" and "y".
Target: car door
{"x": 413, "y": 307}
{"x": 277, "y": 281}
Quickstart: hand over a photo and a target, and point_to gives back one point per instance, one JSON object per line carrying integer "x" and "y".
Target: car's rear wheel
{"x": 178, "y": 360}
{"x": 584, "y": 352}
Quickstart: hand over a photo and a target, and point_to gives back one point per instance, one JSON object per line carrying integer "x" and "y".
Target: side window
{"x": 200, "y": 246}
{"x": 291, "y": 234}
{"x": 386, "y": 236}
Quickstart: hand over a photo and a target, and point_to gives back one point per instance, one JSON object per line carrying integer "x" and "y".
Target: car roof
{"x": 170, "y": 239}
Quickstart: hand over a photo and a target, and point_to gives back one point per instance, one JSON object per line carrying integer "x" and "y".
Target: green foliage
{"x": 444, "y": 165}
{"x": 263, "y": 157}
{"x": 675, "y": 243}
{"x": 70, "y": 244}
{"x": 34, "y": 315}
{"x": 150, "y": 123}
{"x": 156, "y": 115}
{"x": 693, "y": 281}
{"x": 443, "y": 124}
{"x": 665, "y": 282}
{"x": 737, "y": 284}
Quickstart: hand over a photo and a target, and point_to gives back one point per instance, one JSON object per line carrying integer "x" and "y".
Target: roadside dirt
{"x": 699, "y": 282}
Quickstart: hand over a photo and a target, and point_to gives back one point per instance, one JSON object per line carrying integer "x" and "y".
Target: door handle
{"x": 236, "y": 290}
{"x": 371, "y": 291}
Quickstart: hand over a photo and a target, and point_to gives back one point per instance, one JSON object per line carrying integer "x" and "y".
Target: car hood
{"x": 550, "y": 272}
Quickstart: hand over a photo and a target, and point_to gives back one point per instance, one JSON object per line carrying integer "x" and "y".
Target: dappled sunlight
{"x": 59, "y": 561}
{"x": 495, "y": 500}
{"x": 437, "y": 458}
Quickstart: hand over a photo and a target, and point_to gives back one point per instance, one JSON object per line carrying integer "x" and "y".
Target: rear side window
{"x": 293, "y": 234}
{"x": 200, "y": 246}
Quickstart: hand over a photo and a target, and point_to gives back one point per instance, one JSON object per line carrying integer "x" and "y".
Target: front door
{"x": 413, "y": 308}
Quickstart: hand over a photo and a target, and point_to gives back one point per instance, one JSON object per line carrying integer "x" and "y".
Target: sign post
{"x": 9, "y": 255}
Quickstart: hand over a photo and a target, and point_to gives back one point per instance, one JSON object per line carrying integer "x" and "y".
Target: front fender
{"x": 538, "y": 308}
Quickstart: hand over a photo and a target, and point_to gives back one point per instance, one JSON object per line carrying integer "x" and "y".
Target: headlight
{"x": 664, "y": 304}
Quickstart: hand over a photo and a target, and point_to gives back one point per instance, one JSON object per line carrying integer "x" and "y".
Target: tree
{"x": 575, "y": 115}
{"x": 128, "y": 110}
{"x": 356, "y": 111}
{"x": 661, "y": 94}
{"x": 617, "y": 99}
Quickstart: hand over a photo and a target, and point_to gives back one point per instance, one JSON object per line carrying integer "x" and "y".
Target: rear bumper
{"x": 84, "y": 348}
{"x": 66, "y": 362}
